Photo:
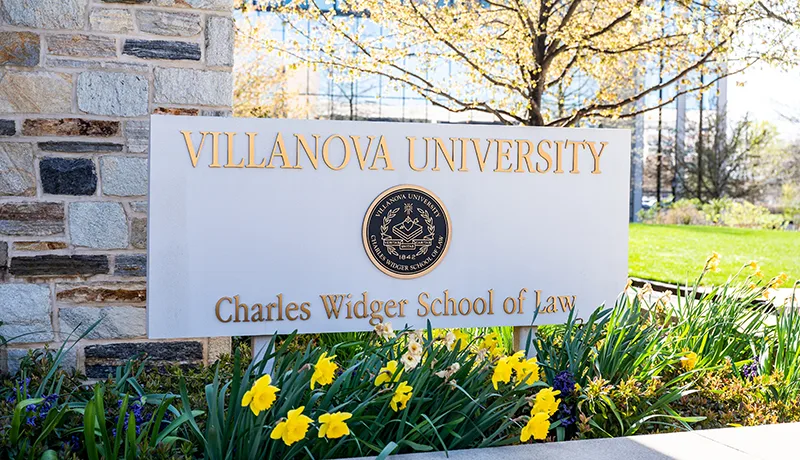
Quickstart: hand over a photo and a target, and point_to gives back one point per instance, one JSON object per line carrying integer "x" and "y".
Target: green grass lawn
{"x": 677, "y": 253}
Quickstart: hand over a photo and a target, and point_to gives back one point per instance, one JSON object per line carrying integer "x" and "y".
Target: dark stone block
{"x": 19, "y": 48}
{"x": 162, "y": 49}
{"x": 69, "y": 127}
{"x": 67, "y": 176}
{"x": 159, "y": 351}
{"x": 3, "y": 254}
{"x": 34, "y": 219}
{"x": 57, "y": 265}
{"x": 7, "y": 128}
{"x": 79, "y": 147}
{"x": 131, "y": 265}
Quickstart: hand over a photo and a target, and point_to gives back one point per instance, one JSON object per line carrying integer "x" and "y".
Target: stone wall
{"x": 78, "y": 79}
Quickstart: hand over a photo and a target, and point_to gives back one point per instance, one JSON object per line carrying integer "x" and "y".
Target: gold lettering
{"x": 463, "y": 167}
{"x": 251, "y": 152}
{"x": 194, "y": 155}
{"x": 301, "y": 142}
{"x": 411, "y": 142}
{"x": 230, "y": 164}
{"x": 476, "y": 146}
{"x": 575, "y": 146}
{"x": 215, "y": 150}
{"x": 240, "y": 307}
{"x": 382, "y": 153}
{"x": 325, "y": 150}
{"x": 423, "y": 304}
{"x": 219, "y": 303}
{"x": 440, "y": 147}
{"x": 361, "y": 159}
{"x": 280, "y": 147}
{"x": 596, "y": 155}
{"x": 524, "y": 156}
{"x": 305, "y": 308}
{"x": 502, "y": 154}
{"x": 559, "y": 151}
{"x": 544, "y": 155}
{"x": 291, "y": 307}
{"x": 258, "y": 313}
{"x": 433, "y": 302}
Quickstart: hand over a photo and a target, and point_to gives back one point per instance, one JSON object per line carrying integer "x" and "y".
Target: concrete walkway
{"x": 773, "y": 442}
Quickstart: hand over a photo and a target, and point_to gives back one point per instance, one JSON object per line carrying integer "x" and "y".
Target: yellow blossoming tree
{"x": 538, "y": 62}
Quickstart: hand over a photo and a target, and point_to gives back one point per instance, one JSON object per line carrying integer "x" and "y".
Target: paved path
{"x": 773, "y": 442}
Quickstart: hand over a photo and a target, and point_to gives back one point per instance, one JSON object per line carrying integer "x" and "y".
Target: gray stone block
{"x": 58, "y": 266}
{"x": 8, "y": 128}
{"x": 139, "y": 233}
{"x": 17, "y": 176}
{"x": 137, "y": 133}
{"x": 124, "y": 176}
{"x": 95, "y": 65}
{"x": 111, "y": 20}
{"x": 45, "y": 14}
{"x": 31, "y": 219}
{"x": 162, "y": 49}
{"x": 139, "y": 206}
{"x": 191, "y": 86}
{"x": 13, "y": 358}
{"x": 79, "y": 147}
{"x": 68, "y": 176}
{"x": 98, "y": 224}
{"x": 101, "y": 359}
{"x": 19, "y": 48}
{"x": 113, "y": 93}
{"x": 168, "y": 23}
{"x": 82, "y": 45}
{"x": 130, "y": 265}
{"x": 219, "y": 41}
{"x": 115, "y": 322}
{"x": 25, "y": 309}
{"x": 220, "y": 5}
{"x": 35, "y": 92}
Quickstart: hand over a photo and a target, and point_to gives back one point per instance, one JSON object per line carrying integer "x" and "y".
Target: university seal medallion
{"x": 406, "y": 231}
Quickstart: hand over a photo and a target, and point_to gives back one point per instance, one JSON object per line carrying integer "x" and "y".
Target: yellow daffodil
{"x": 689, "y": 360}
{"x": 759, "y": 274}
{"x": 293, "y": 429}
{"x": 753, "y": 265}
{"x": 712, "y": 264}
{"x": 261, "y": 395}
{"x": 502, "y": 371}
{"x": 388, "y": 374}
{"x": 333, "y": 425}
{"x": 323, "y": 370}
{"x": 401, "y": 396}
{"x": 537, "y": 426}
{"x": 778, "y": 281}
{"x": 527, "y": 371}
{"x": 491, "y": 342}
{"x": 546, "y": 402}
{"x": 460, "y": 338}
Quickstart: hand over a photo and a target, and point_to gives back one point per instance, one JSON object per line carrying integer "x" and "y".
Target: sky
{"x": 767, "y": 93}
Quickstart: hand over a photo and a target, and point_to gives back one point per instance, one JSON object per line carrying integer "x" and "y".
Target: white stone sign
{"x": 261, "y": 226}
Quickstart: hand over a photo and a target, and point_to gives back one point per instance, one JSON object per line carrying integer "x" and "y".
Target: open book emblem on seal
{"x": 406, "y": 231}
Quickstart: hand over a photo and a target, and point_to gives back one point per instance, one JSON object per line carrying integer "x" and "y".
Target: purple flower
{"x": 750, "y": 371}
{"x": 565, "y": 383}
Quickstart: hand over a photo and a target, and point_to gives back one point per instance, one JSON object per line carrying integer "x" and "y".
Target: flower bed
{"x": 645, "y": 365}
